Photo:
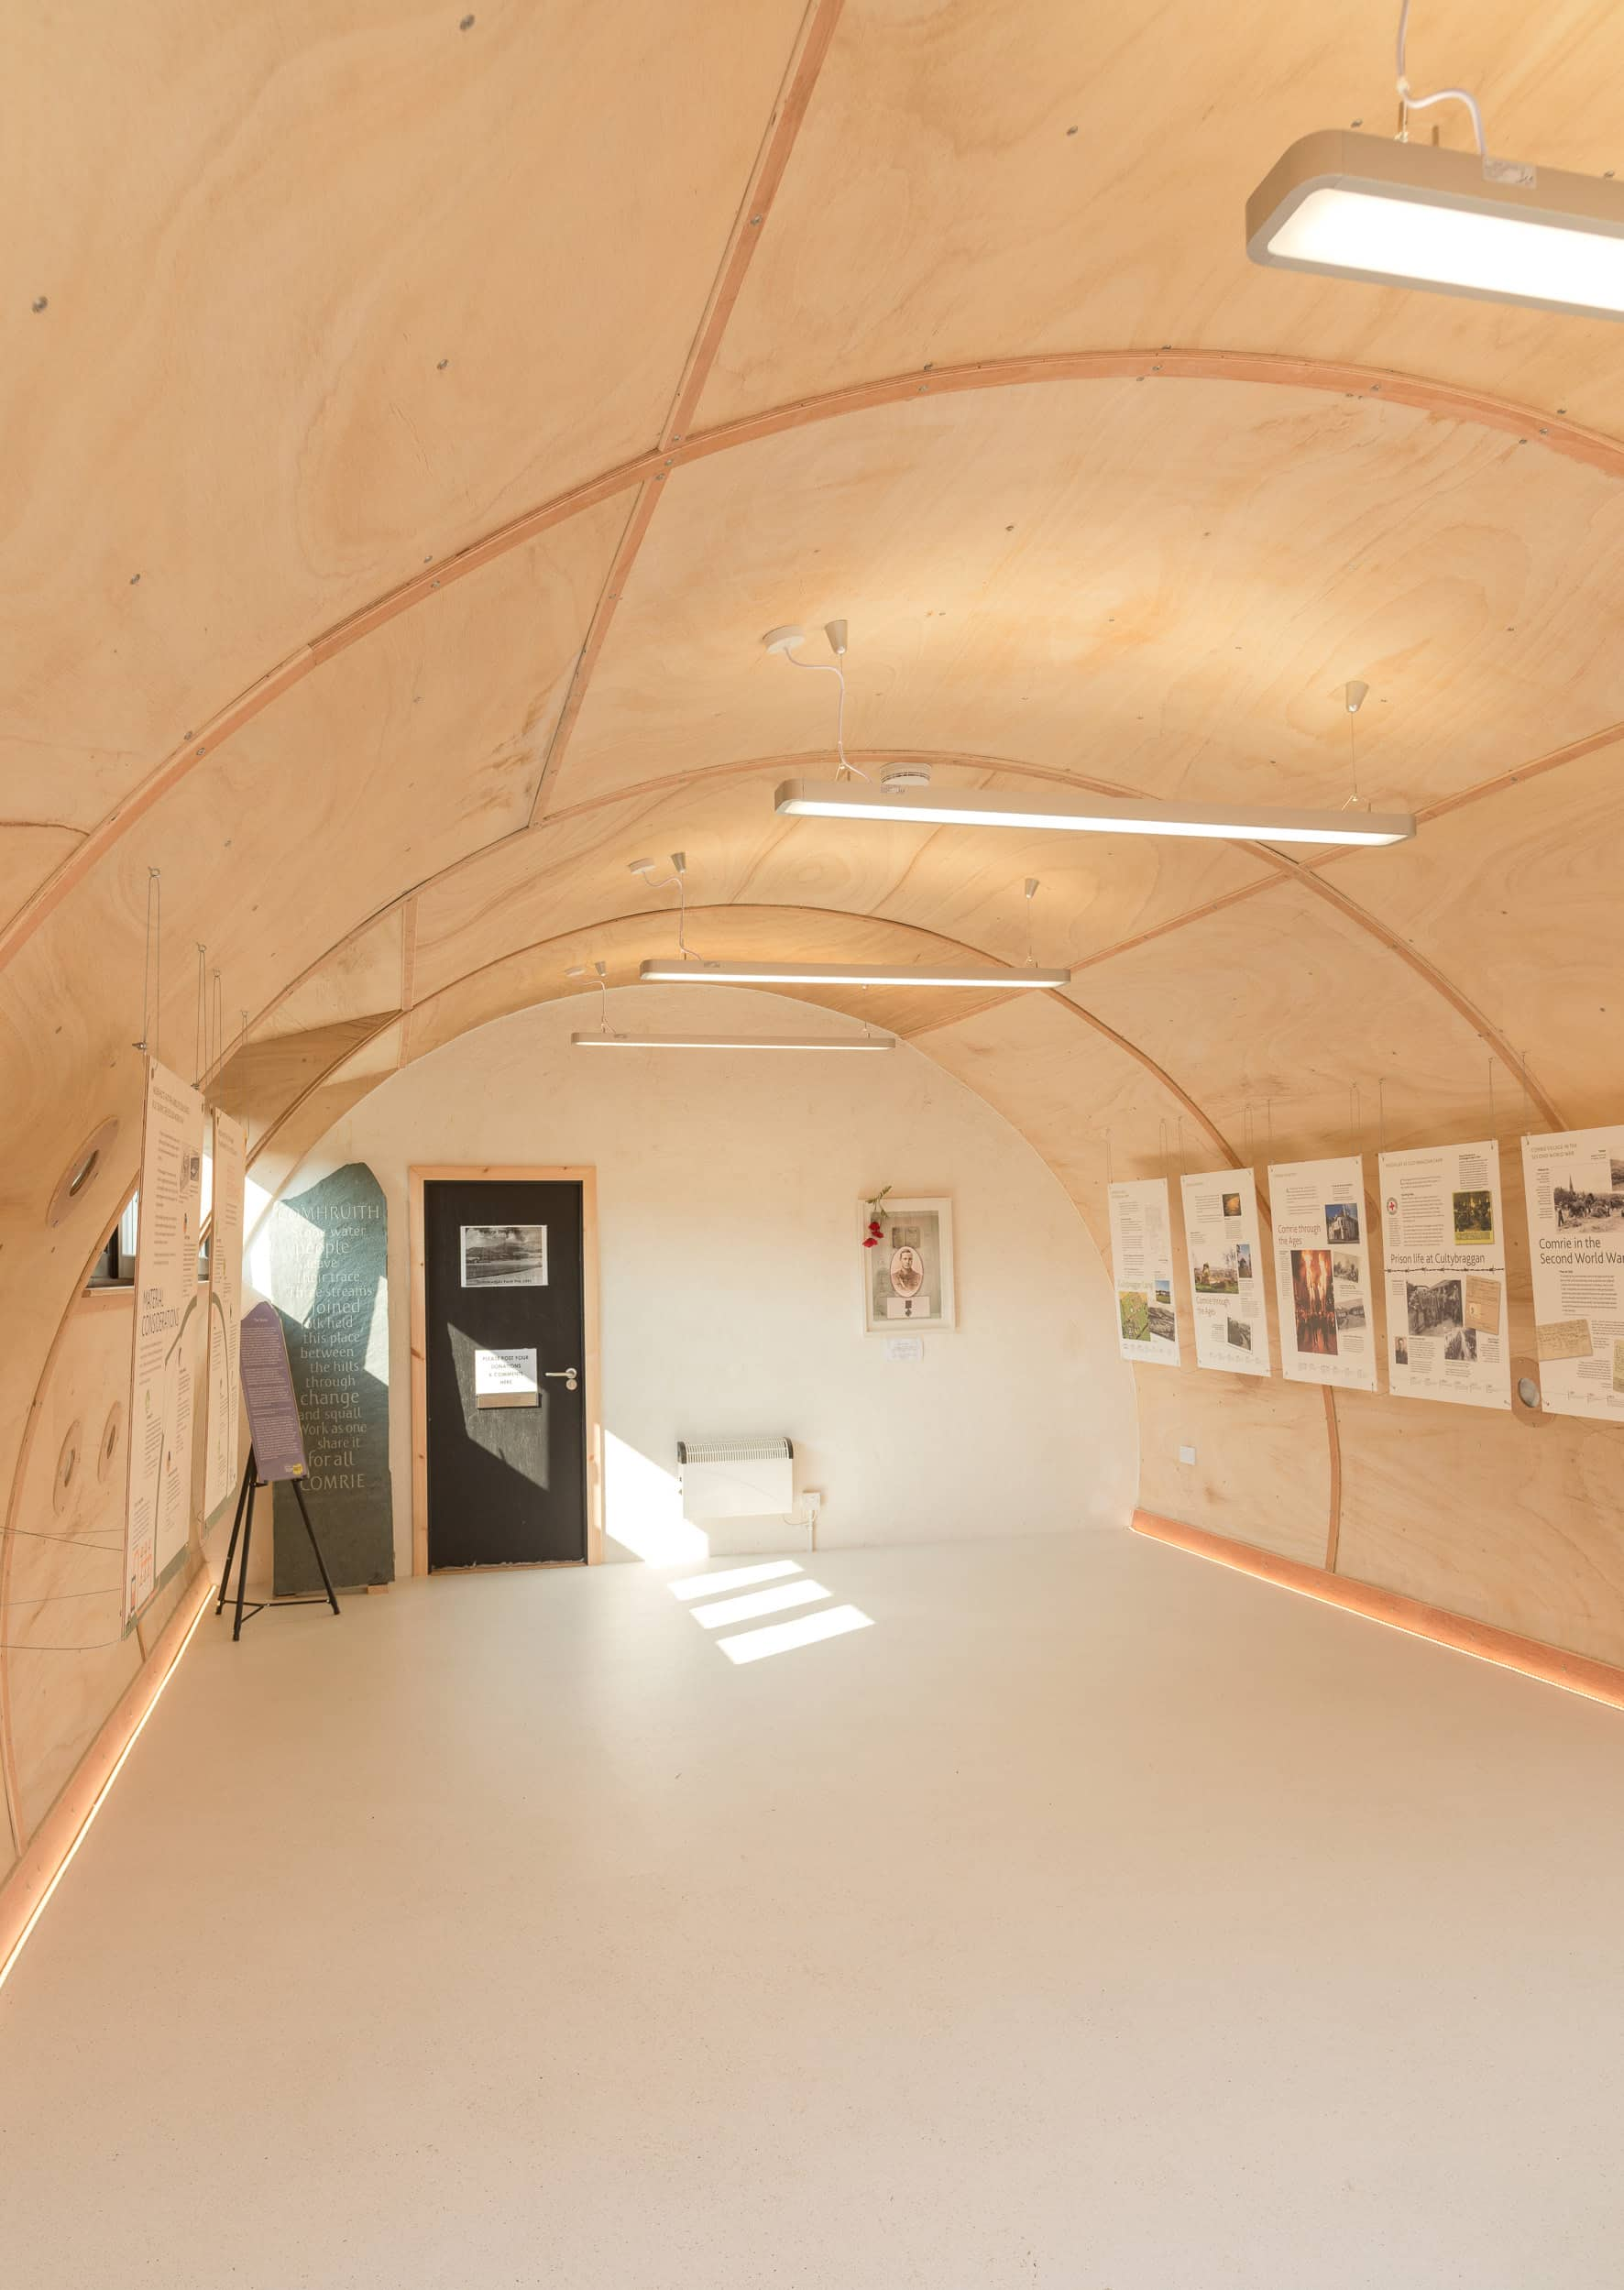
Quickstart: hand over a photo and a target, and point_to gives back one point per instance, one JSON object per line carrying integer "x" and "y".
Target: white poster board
{"x": 158, "y": 1501}
{"x": 506, "y": 1378}
{"x": 1321, "y": 1273}
{"x": 1574, "y": 1182}
{"x": 1225, "y": 1260}
{"x": 1443, "y": 1248}
{"x": 1142, "y": 1264}
{"x": 226, "y": 1314}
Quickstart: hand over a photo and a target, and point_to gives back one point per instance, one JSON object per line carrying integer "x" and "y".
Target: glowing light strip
{"x": 204, "y": 1590}
{"x": 678, "y": 973}
{"x": 1096, "y": 814}
{"x": 733, "y": 1041}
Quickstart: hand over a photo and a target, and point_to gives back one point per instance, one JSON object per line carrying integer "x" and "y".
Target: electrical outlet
{"x": 1186, "y": 1455}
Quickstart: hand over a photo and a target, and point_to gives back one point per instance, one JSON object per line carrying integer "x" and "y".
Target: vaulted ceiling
{"x": 416, "y": 413}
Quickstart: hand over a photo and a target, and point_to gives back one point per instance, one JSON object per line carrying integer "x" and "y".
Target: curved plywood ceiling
{"x": 416, "y": 416}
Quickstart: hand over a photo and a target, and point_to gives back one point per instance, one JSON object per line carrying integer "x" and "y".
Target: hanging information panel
{"x": 157, "y": 1500}
{"x": 1443, "y": 1246}
{"x": 1321, "y": 1273}
{"x": 1573, "y": 1181}
{"x": 1142, "y": 1261}
{"x": 225, "y": 1312}
{"x": 1226, "y": 1271}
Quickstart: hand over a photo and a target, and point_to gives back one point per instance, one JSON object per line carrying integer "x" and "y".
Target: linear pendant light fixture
{"x": 733, "y": 1041}
{"x": 1403, "y": 214}
{"x": 674, "y": 972}
{"x": 1357, "y": 206}
{"x": 1092, "y": 814}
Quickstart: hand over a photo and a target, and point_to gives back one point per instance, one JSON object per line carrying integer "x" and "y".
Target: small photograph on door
{"x": 504, "y": 1256}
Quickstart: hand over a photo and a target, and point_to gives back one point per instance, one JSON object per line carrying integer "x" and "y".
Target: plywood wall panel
{"x": 975, "y": 177}
{"x": 321, "y": 296}
{"x": 1279, "y": 1011}
{"x": 1517, "y": 899}
{"x": 1518, "y": 1524}
{"x": 29, "y": 855}
{"x": 67, "y": 1594}
{"x": 1167, "y": 586}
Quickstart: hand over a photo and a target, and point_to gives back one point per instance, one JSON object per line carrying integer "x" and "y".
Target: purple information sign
{"x": 268, "y": 1391}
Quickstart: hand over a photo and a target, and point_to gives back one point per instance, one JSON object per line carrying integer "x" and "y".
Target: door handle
{"x": 571, "y": 1373}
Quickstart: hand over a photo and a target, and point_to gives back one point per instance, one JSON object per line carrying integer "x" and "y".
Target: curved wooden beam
{"x": 1559, "y": 435}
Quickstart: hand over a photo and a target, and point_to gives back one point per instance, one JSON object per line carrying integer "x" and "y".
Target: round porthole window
{"x": 62, "y": 1494}
{"x": 112, "y": 1434}
{"x": 78, "y": 1178}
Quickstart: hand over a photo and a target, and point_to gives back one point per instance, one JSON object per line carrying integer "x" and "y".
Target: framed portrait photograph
{"x": 908, "y": 1279}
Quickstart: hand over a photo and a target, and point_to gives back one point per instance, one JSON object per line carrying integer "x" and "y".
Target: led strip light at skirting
{"x": 733, "y": 1041}
{"x": 677, "y": 973}
{"x": 1096, "y": 814}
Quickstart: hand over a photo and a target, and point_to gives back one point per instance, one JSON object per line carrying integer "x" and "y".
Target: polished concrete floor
{"x": 1095, "y": 1920}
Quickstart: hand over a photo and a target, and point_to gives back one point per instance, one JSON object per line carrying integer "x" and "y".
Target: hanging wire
{"x": 217, "y": 1013}
{"x": 1246, "y": 1129}
{"x": 151, "y": 968}
{"x": 1492, "y": 1129}
{"x": 200, "y": 1036}
{"x": 1409, "y": 100}
{"x": 1381, "y": 1114}
{"x": 847, "y": 769}
{"x": 1031, "y": 895}
{"x": 1183, "y": 1164}
{"x": 1357, "y": 1116}
{"x": 603, "y": 1023}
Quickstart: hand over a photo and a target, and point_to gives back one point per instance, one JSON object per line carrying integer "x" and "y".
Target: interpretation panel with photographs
{"x": 1574, "y": 1180}
{"x": 225, "y": 1312}
{"x": 1321, "y": 1276}
{"x": 159, "y": 1499}
{"x": 909, "y": 1274}
{"x": 1443, "y": 1246}
{"x": 1142, "y": 1266}
{"x": 1226, "y": 1271}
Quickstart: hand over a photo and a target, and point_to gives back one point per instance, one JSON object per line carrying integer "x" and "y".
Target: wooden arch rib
{"x": 1309, "y": 874}
{"x": 1567, "y": 439}
{"x": 1075, "y": 1011}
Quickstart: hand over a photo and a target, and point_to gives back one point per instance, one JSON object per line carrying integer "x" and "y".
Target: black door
{"x": 506, "y": 1364}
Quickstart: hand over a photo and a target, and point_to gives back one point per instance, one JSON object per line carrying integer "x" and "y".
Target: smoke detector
{"x": 897, "y": 778}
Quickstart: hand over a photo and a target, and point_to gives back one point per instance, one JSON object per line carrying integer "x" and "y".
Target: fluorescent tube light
{"x": 733, "y": 1041}
{"x": 1357, "y": 206}
{"x": 1088, "y": 815}
{"x": 675, "y": 972}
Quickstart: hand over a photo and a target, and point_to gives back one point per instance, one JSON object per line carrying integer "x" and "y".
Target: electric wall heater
{"x": 744, "y": 1478}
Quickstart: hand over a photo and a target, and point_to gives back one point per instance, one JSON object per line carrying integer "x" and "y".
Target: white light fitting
{"x": 734, "y": 1041}
{"x": 677, "y": 973}
{"x": 1092, "y": 815}
{"x": 1357, "y": 206}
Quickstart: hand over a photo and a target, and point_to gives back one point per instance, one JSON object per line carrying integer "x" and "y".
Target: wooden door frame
{"x": 498, "y": 1172}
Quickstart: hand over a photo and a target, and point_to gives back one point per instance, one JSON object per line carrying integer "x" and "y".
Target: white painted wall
{"x": 731, "y": 1275}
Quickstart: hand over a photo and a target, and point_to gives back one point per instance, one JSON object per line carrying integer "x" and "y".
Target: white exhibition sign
{"x": 1142, "y": 1261}
{"x": 1226, "y": 1271}
{"x": 506, "y": 1379}
{"x": 1574, "y": 1182}
{"x": 1322, "y": 1280}
{"x": 158, "y": 1501}
{"x": 225, "y": 1313}
{"x": 1443, "y": 1242}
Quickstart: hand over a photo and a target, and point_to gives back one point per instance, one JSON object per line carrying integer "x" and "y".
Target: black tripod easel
{"x": 243, "y": 1522}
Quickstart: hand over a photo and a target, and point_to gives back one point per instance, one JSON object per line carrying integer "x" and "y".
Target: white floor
{"x": 1096, "y": 1920}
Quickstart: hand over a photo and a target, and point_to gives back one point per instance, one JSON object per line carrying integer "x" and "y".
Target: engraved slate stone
{"x": 329, "y": 1254}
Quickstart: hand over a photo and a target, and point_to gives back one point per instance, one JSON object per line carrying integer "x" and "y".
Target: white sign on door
{"x": 505, "y": 1379}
